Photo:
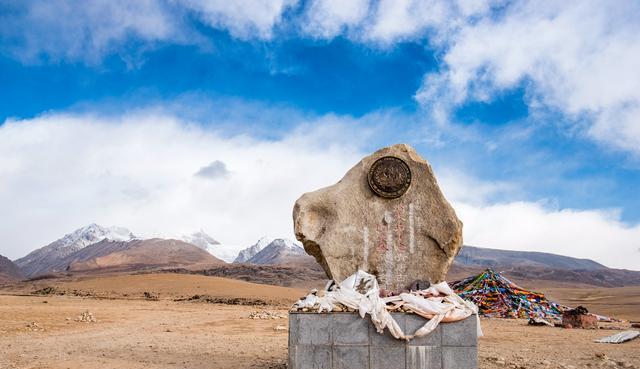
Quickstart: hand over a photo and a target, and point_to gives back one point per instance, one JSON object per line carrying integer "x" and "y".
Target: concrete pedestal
{"x": 346, "y": 341}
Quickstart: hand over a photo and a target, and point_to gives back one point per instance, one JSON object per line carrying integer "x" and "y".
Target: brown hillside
{"x": 9, "y": 271}
{"x": 109, "y": 255}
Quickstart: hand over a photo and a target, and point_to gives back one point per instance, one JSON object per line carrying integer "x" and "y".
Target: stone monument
{"x": 388, "y": 217}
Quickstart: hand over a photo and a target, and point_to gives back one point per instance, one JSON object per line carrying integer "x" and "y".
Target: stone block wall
{"x": 344, "y": 340}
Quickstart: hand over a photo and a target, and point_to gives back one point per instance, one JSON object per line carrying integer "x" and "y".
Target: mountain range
{"x": 47, "y": 259}
{"x": 486, "y": 257}
{"x": 95, "y": 248}
{"x": 280, "y": 252}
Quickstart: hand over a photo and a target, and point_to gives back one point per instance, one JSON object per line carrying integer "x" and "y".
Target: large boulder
{"x": 387, "y": 216}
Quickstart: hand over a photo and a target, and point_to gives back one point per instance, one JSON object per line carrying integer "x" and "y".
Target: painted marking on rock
{"x": 388, "y": 259}
{"x": 412, "y": 236}
{"x": 365, "y": 253}
{"x": 400, "y": 226}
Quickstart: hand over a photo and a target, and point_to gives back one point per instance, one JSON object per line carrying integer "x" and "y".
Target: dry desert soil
{"x": 193, "y": 321}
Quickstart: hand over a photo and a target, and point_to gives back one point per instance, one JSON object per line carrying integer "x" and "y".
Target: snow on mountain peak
{"x": 200, "y": 239}
{"x": 222, "y": 251}
{"x": 252, "y": 250}
{"x": 279, "y": 251}
{"x": 93, "y": 233}
{"x": 286, "y": 243}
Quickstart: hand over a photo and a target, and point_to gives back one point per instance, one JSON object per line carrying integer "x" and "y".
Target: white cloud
{"x": 86, "y": 30}
{"x": 386, "y": 22}
{"x": 577, "y": 58}
{"x": 465, "y": 189}
{"x": 595, "y": 234}
{"x": 329, "y": 18}
{"x": 62, "y": 171}
{"x": 242, "y": 18}
{"x": 397, "y": 20}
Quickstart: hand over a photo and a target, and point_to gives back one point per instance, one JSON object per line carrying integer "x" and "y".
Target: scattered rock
{"x": 34, "y": 327}
{"x": 47, "y": 291}
{"x": 225, "y": 300}
{"x": 601, "y": 356}
{"x": 280, "y": 328}
{"x": 86, "y": 317}
{"x": 263, "y": 314}
{"x": 150, "y": 296}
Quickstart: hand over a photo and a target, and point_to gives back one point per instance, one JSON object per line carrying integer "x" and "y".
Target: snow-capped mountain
{"x": 222, "y": 251}
{"x": 201, "y": 239}
{"x": 251, "y": 251}
{"x": 279, "y": 251}
{"x": 41, "y": 260}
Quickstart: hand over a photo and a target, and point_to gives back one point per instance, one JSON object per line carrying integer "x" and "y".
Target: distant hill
{"x": 290, "y": 259}
{"x": 43, "y": 260}
{"x": 9, "y": 271}
{"x": 525, "y": 266}
{"x": 486, "y": 257}
{"x": 94, "y": 248}
{"x": 137, "y": 255}
{"x": 281, "y": 251}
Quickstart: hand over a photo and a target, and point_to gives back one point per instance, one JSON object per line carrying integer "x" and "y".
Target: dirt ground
{"x": 134, "y": 330}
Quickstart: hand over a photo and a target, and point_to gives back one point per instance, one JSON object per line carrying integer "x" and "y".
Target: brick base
{"x": 344, "y": 340}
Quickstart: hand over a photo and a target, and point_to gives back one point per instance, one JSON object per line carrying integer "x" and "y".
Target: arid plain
{"x": 169, "y": 320}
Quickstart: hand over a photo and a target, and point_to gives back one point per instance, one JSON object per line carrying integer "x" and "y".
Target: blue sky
{"x": 525, "y": 113}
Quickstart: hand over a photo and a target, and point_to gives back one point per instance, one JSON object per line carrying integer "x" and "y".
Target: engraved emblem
{"x": 389, "y": 177}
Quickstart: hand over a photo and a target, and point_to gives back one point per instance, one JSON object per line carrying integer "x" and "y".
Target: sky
{"x": 169, "y": 117}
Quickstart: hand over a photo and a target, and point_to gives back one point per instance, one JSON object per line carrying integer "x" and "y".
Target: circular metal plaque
{"x": 389, "y": 177}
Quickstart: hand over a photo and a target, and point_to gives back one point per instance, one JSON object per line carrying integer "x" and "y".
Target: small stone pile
{"x": 86, "y": 317}
{"x": 263, "y": 314}
{"x": 34, "y": 327}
